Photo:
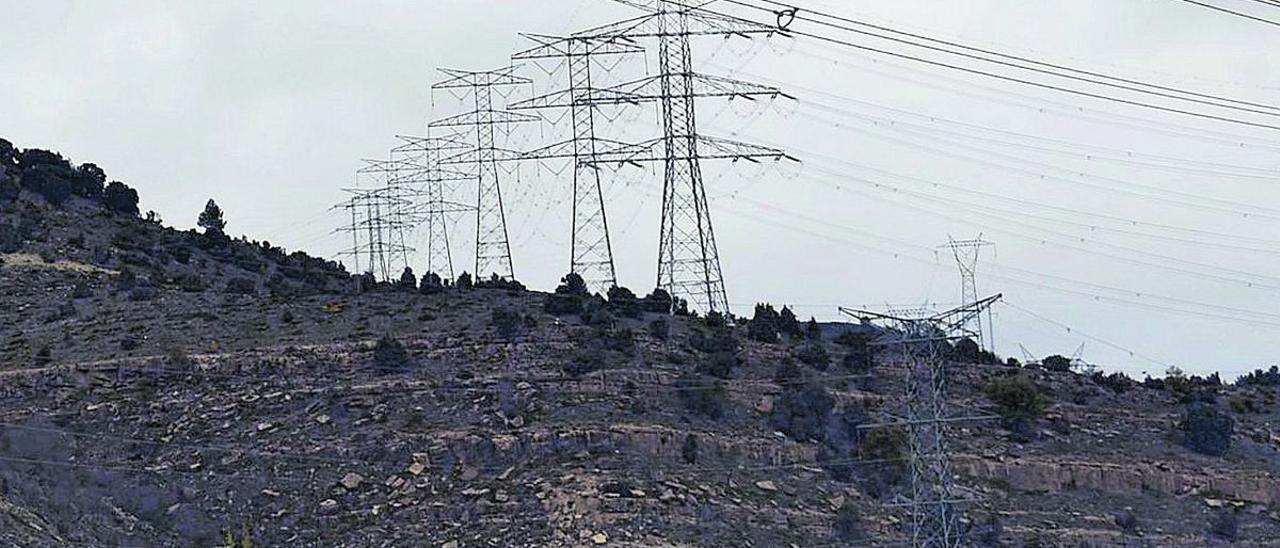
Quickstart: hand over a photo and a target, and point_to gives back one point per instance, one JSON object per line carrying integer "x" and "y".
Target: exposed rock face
{"x": 1054, "y": 476}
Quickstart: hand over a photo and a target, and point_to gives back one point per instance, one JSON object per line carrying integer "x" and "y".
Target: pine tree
{"x": 211, "y": 219}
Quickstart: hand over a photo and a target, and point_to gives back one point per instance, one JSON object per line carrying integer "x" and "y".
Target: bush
{"x": 568, "y": 297}
{"x": 1126, "y": 521}
{"x": 884, "y": 451}
{"x": 658, "y": 302}
{"x": 431, "y": 284}
{"x": 847, "y": 526}
{"x": 624, "y": 302}
{"x": 1060, "y": 364}
{"x": 701, "y": 395}
{"x": 1117, "y": 383}
{"x": 463, "y": 282}
{"x": 660, "y": 329}
{"x": 508, "y": 324}
{"x": 408, "y": 281}
{"x": 241, "y": 286}
{"x": 1018, "y": 402}
{"x": 802, "y": 412}
{"x": 1270, "y": 377}
{"x": 584, "y": 362}
{"x": 498, "y": 282}
{"x": 119, "y": 198}
{"x": 389, "y": 354}
{"x": 718, "y": 364}
{"x": 1206, "y": 429}
{"x": 861, "y": 357}
{"x": 1225, "y": 526}
{"x": 689, "y": 449}
{"x": 764, "y": 325}
{"x": 44, "y": 356}
{"x": 814, "y": 355}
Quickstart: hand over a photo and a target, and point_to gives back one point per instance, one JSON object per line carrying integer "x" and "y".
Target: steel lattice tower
{"x": 966, "y": 253}
{"x": 688, "y": 259}
{"x": 433, "y": 210}
{"x": 493, "y": 246}
{"x": 378, "y": 224}
{"x": 935, "y": 515}
{"x": 591, "y": 255}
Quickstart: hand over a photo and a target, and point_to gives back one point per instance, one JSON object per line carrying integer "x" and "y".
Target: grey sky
{"x": 268, "y": 107}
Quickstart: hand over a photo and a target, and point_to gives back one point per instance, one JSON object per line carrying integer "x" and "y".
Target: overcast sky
{"x": 269, "y": 106}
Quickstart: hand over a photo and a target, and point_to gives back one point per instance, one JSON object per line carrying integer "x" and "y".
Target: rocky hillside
{"x": 166, "y": 388}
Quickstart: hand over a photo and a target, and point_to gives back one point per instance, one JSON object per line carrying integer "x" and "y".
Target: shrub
{"x": 51, "y": 182}
{"x": 764, "y": 325}
{"x": 1060, "y": 364}
{"x": 787, "y": 323}
{"x": 44, "y": 356}
{"x": 847, "y": 526}
{"x": 1126, "y": 521}
{"x": 624, "y": 301}
{"x": 660, "y": 329}
{"x": 241, "y": 286}
{"x": 568, "y": 297}
{"x": 498, "y": 282}
{"x": 814, "y": 355}
{"x": 812, "y": 330}
{"x": 689, "y": 449}
{"x": 861, "y": 356}
{"x": 507, "y": 323}
{"x": 718, "y": 364}
{"x": 1225, "y": 526}
{"x": 389, "y": 354}
{"x": 1206, "y": 429}
{"x": 463, "y": 282}
{"x": 175, "y": 357}
{"x": 1018, "y": 402}
{"x": 408, "y": 281}
{"x": 701, "y": 395}
{"x": 119, "y": 198}
{"x": 657, "y": 302}
{"x": 884, "y": 451}
{"x": 431, "y": 284}
{"x": 802, "y": 412}
{"x": 1117, "y": 382}
{"x": 1269, "y": 377}
{"x": 584, "y": 362}
{"x": 595, "y": 312}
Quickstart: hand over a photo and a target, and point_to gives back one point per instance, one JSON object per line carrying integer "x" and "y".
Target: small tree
{"x": 701, "y": 395}
{"x": 463, "y": 282}
{"x": 211, "y": 220}
{"x": 1206, "y": 429}
{"x": 764, "y": 325}
{"x": 847, "y": 526}
{"x": 1061, "y": 364}
{"x": 118, "y": 197}
{"x": 803, "y": 411}
{"x": 408, "y": 281}
{"x": 689, "y": 449}
{"x": 389, "y": 354}
{"x": 1019, "y": 403}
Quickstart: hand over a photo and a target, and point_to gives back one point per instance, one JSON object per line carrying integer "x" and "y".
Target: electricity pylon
{"x": 378, "y": 223}
{"x": 688, "y": 259}
{"x": 921, "y": 340}
{"x": 967, "y": 253}
{"x": 434, "y": 210}
{"x": 493, "y": 245}
{"x": 591, "y": 255}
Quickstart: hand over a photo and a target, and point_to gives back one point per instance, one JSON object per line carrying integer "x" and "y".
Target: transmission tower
{"x": 378, "y": 223}
{"x": 688, "y": 260}
{"x": 433, "y": 210}
{"x": 493, "y": 246}
{"x": 921, "y": 340}
{"x": 967, "y": 253}
{"x": 591, "y": 255}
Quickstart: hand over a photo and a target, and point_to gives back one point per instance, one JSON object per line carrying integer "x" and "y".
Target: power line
{"x": 1233, "y": 12}
{"x": 1022, "y": 59}
{"x": 1018, "y": 80}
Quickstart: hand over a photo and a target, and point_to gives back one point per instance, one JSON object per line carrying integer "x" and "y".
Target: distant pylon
{"x": 434, "y": 210}
{"x": 935, "y": 514}
{"x": 688, "y": 258}
{"x": 967, "y": 253}
{"x": 493, "y": 245}
{"x": 377, "y": 223}
{"x": 591, "y": 255}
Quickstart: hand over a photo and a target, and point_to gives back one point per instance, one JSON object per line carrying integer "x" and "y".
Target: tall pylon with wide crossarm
{"x": 591, "y": 255}
{"x": 688, "y": 258}
{"x": 434, "y": 209}
{"x": 493, "y": 245}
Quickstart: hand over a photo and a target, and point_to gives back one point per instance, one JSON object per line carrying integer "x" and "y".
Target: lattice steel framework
{"x": 922, "y": 340}
{"x": 966, "y": 253}
{"x": 433, "y": 210}
{"x": 378, "y": 223}
{"x": 688, "y": 259}
{"x": 591, "y": 255}
{"x": 492, "y": 245}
